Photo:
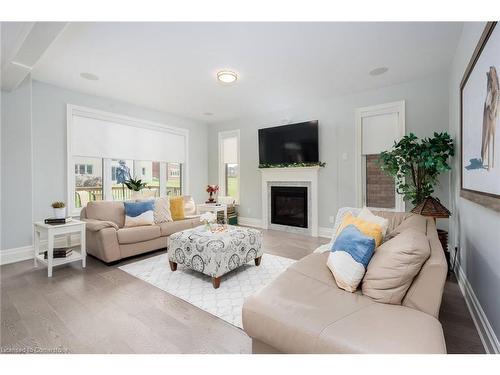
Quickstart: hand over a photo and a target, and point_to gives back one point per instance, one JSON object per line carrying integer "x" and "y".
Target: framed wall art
{"x": 480, "y": 113}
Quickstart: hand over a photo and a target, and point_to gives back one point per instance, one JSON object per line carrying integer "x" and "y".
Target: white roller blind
{"x": 230, "y": 150}
{"x": 108, "y": 139}
{"x": 379, "y": 133}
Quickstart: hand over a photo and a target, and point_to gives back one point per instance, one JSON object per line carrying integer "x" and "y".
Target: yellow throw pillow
{"x": 368, "y": 229}
{"x": 177, "y": 208}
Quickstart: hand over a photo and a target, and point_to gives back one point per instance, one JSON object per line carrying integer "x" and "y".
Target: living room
{"x": 249, "y": 187}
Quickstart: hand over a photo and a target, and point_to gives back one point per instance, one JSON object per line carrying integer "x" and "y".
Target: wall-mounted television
{"x": 287, "y": 144}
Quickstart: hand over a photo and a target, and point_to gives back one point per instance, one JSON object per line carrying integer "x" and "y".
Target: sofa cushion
{"x": 414, "y": 221}
{"x": 367, "y": 228}
{"x": 177, "y": 208}
{"x": 106, "y": 211}
{"x": 139, "y": 213}
{"x": 395, "y": 265}
{"x": 189, "y": 206}
{"x": 369, "y": 216}
{"x": 162, "y": 210}
{"x": 138, "y": 234}
{"x": 349, "y": 257}
{"x": 176, "y": 226}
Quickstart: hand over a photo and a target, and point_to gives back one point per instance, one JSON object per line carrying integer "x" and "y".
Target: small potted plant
{"x": 136, "y": 185}
{"x": 59, "y": 210}
{"x": 212, "y": 190}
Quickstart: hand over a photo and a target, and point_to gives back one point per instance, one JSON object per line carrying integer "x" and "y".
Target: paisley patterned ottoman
{"x": 215, "y": 254}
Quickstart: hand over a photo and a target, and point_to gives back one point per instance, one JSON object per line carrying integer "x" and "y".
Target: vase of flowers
{"x": 212, "y": 190}
{"x": 59, "y": 210}
{"x": 208, "y": 218}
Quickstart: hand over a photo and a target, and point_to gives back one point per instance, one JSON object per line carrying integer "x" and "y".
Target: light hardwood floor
{"x": 104, "y": 310}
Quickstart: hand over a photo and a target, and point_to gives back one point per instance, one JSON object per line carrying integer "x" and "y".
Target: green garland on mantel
{"x": 293, "y": 165}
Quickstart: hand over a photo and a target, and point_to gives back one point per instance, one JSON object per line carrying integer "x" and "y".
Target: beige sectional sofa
{"x": 303, "y": 310}
{"x": 109, "y": 241}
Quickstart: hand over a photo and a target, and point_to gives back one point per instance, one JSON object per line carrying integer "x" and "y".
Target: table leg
{"x": 50, "y": 253}
{"x": 36, "y": 246}
{"x": 257, "y": 261}
{"x": 83, "y": 247}
{"x": 216, "y": 282}
{"x": 173, "y": 265}
{"x": 225, "y": 215}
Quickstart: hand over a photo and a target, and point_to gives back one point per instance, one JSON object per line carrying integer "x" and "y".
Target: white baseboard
{"x": 250, "y": 222}
{"x": 325, "y": 232}
{"x": 483, "y": 326}
{"x": 17, "y": 254}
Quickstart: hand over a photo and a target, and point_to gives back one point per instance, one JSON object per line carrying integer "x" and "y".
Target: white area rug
{"x": 226, "y": 302}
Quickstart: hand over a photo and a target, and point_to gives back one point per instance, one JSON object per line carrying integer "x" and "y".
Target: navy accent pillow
{"x": 134, "y": 209}
{"x": 352, "y": 241}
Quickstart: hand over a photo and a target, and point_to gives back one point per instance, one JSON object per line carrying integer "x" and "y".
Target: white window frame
{"x": 72, "y": 110}
{"x": 360, "y": 160}
{"x": 222, "y": 167}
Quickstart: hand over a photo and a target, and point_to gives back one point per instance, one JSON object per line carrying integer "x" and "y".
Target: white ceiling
{"x": 172, "y": 66}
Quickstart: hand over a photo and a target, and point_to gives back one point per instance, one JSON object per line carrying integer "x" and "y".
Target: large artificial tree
{"x": 416, "y": 164}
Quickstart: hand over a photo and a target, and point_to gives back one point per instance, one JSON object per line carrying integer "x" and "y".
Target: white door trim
{"x": 380, "y": 109}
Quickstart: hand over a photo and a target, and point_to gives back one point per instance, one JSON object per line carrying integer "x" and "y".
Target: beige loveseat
{"x": 109, "y": 241}
{"x": 303, "y": 310}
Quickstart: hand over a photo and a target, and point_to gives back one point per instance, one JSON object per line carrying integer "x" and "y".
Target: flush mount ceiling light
{"x": 227, "y": 76}
{"x": 379, "y": 71}
{"x": 208, "y": 114}
{"x": 89, "y": 76}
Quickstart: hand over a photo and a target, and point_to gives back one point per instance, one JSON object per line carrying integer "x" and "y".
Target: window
{"x": 229, "y": 167}
{"x": 377, "y": 128}
{"x": 88, "y": 185}
{"x": 174, "y": 179}
{"x": 106, "y": 149}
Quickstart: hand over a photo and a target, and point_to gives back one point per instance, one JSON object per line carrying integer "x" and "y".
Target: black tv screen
{"x": 295, "y": 143}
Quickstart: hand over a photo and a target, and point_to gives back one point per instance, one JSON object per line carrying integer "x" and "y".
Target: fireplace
{"x": 289, "y": 206}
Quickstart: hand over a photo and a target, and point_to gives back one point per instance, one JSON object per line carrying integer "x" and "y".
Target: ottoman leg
{"x": 216, "y": 282}
{"x": 173, "y": 265}
{"x": 257, "y": 261}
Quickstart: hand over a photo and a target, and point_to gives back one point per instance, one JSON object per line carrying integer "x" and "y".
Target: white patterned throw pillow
{"x": 162, "y": 212}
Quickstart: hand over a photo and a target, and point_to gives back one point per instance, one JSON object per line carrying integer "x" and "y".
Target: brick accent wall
{"x": 380, "y": 188}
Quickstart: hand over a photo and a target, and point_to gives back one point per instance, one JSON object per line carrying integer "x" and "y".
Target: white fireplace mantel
{"x": 296, "y": 174}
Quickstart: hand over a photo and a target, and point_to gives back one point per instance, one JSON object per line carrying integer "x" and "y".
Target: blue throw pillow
{"x": 356, "y": 244}
{"x": 139, "y": 213}
{"x": 350, "y": 254}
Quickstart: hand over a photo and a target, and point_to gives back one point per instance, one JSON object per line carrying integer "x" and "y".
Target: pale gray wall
{"x": 46, "y": 142}
{"x": 16, "y": 167}
{"x": 426, "y": 112}
{"x": 474, "y": 229}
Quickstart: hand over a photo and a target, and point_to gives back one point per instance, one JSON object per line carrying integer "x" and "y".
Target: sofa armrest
{"x": 94, "y": 225}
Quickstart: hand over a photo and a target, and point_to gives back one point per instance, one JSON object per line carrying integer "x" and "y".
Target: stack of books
{"x": 61, "y": 252}
{"x": 57, "y": 221}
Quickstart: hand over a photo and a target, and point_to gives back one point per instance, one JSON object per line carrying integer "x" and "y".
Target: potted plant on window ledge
{"x": 416, "y": 164}
{"x": 136, "y": 186}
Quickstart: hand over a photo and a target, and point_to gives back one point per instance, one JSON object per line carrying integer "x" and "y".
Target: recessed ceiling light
{"x": 227, "y": 76}
{"x": 208, "y": 113}
{"x": 89, "y": 76}
{"x": 379, "y": 71}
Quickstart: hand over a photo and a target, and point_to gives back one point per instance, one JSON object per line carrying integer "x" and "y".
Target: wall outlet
{"x": 331, "y": 219}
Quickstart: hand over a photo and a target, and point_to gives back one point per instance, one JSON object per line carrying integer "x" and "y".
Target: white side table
{"x": 213, "y": 207}
{"x": 51, "y": 231}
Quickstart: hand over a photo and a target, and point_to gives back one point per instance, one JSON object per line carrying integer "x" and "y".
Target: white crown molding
{"x": 483, "y": 326}
{"x": 17, "y": 254}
